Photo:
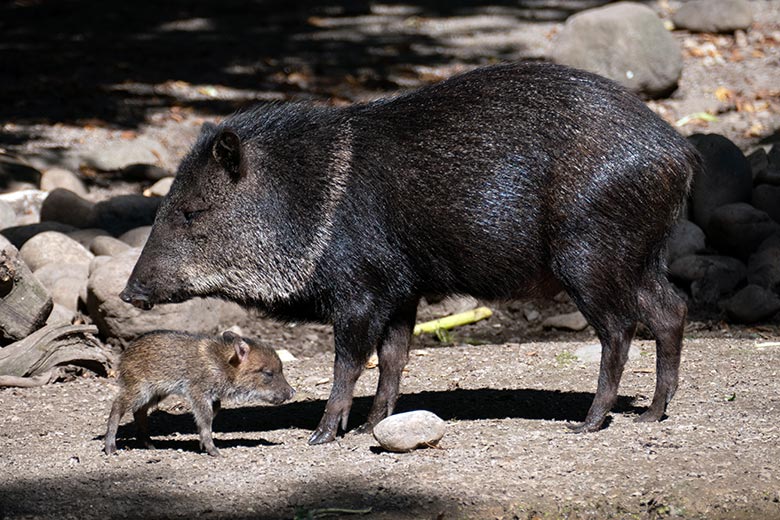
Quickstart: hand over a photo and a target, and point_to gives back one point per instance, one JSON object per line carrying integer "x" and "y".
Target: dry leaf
{"x": 745, "y": 106}
{"x": 724, "y": 94}
{"x": 756, "y": 130}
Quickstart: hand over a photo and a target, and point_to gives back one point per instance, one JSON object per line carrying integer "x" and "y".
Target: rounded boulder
{"x": 53, "y": 247}
{"x": 626, "y": 42}
{"x": 407, "y": 431}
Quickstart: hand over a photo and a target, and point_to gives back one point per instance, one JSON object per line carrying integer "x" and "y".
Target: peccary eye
{"x": 268, "y": 374}
{"x": 189, "y": 216}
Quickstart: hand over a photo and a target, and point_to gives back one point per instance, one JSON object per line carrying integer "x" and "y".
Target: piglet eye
{"x": 268, "y": 373}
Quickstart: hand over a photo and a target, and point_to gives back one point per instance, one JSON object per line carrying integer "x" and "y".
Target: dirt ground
{"x": 506, "y": 453}
{"x": 506, "y": 387}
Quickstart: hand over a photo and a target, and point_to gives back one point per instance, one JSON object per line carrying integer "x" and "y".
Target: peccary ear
{"x": 227, "y": 152}
{"x": 241, "y": 346}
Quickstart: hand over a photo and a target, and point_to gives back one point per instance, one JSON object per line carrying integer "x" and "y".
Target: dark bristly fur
{"x": 501, "y": 183}
{"x": 203, "y": 369}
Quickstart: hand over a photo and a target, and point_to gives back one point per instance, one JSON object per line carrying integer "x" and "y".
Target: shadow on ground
{"x": 463, "y": 405}
{"x": 84, "y": 62}
{"x": 144, "y": 494}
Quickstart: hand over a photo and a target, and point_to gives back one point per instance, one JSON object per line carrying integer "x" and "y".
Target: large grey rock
{"x": 52, "y": 246}
{"x": 61, "y": 178}
{"x": 572, "y": 321}
{"x": 60, "y": 314}
{"x": 710, "y": 277}
{"x": 695, "y": 267}
{"x": 759, "y": 162}
{"x": 121, "y": 322}
{"x": 764, "y": 268}
{"x": 108, "y": 246}
{"x": 626, "y": 42}
{"x": 16, "y": 175}
{"x": 144, "y": 172}
{"x": 766, "y": 197}
{"x": 407, "y": 431}
{"x": 136, "y": 237}
{"x": 115, "y": 215}
{"x": 714, "y": 15}
{"x": 687, "y": 239}
{"x": 119, "y": 154}
{"x": 726, "y": 179}
{"x": 752, "y": 304}
{"x": 771, "y": 242}
{"x": 67, "y": 283}
{"x": 738, "y": 229}
{"x": 159, "y": 188}
{"x": 7, "y": 215}
{"x": 68, "y": 291}
{"x": 85, "y": 237}
{"x": 67, "y": 207}
{"x": 26, "y": 204}
{"x": 125, "y": 212}
{"x": 770, "y": 174}
{"x": 19, "y": 235}
{"x": 48, "y": 274}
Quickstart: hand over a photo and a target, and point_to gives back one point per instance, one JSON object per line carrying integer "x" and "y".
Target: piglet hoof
{"x": 110, "y": 450}
{"x": 213, "y": 452}
{"x": 322, "y": 435}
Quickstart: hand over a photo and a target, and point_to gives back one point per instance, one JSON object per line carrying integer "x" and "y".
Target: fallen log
{"x": 24, "y": 302}
{"x": 41, "y": 357}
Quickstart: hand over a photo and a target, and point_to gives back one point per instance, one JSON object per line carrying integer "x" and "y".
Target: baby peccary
{"x": 505, "y": 182}
{"x": 203, "y": 369}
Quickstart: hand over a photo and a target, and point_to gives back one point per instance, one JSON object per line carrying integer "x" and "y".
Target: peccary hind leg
{"x": 393, "y": 353}
{"x": 118, "y": 409}
{"x": 664, "y": 314}
{"x": 615, "y": 338}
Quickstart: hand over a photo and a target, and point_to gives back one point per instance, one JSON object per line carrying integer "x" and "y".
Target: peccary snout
{"x": 136, "y": 294}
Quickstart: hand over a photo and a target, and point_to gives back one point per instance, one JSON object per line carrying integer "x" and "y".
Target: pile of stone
{"x": 725, "y": 251}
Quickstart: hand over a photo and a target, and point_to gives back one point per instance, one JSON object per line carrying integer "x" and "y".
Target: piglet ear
{"x": 241, "y": 346}
{"x": 227, "y": 152}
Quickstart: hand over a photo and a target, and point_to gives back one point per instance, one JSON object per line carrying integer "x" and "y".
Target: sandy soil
{"x": 506, "y": 453}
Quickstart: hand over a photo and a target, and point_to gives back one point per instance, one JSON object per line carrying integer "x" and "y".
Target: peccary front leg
{"x": 141, "y": 418}
{"x": 355, "y": 338}
{"x": 393, "y": 353}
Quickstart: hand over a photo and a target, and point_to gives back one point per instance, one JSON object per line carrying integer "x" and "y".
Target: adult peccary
{"x": 503, "y": 182}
